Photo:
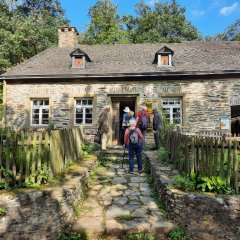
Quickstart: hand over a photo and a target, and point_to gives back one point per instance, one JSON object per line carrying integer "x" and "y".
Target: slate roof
{"x": 133, "y": 59}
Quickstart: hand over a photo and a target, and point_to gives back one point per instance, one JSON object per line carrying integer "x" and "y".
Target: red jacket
{"x": 127, "y": 133}
{"x": 139, "y": 114}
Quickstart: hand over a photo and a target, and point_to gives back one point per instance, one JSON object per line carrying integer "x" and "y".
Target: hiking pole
{"x": 123, "y": 154}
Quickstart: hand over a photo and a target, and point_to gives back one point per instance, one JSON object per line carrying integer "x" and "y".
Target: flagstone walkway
{"x": 119, "y": 203}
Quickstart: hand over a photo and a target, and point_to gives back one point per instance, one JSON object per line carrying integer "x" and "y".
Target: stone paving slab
{"x": 124, "y": 204}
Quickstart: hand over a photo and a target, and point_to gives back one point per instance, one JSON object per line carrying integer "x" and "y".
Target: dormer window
{"x": 79, "y": 58}
{"x": 78, "y": 62}
{"x": 163, "y": 57}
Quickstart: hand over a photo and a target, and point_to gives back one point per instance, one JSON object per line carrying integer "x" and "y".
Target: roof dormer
{"x": 163, "y": 57}
{"x": 79, "y": 58}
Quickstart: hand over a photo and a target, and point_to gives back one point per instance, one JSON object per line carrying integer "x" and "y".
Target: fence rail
{"x": 212, "y": 156}
{"x": 33, "y": 157}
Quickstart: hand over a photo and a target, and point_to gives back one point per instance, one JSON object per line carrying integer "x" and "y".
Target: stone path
{"x": 119, "y": 203}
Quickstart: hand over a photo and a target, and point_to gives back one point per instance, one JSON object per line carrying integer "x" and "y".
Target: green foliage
{"x": 184, "y": 183}
{"x": 27, "y": 27}
{"x": 139, "y": 236}
{"x": 177, "y": 234}
{"x": 163, "y": 155}
{"x": 202, "y": 183}
{"x": 127, "y": 217}
{"x": 166, "y": 127}
{"x": 75, "y": 236}
{"x": 231, "y": 33}
{"x": 214, "y": 184}
{"x": 2, "y": 211}
{"x": 88, "y": 149}
{"x": 164, "y": 22}
{"x": 105, "y": 25}
{"x": 6, "y": 172}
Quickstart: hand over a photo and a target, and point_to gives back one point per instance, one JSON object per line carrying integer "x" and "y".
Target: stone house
{"x": 194, "y": 84}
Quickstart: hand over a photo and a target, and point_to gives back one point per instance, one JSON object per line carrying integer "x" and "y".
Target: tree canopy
{"x": 164, "y": 22}
{"x": 105, "y": 25}
{"x": 26, "y": 28}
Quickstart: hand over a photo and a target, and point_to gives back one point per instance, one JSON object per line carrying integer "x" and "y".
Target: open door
{"x": 118, "y": 104}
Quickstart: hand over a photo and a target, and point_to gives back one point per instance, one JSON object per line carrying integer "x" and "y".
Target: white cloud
{"x": 229, "y": 9}
{"x": 217, "y": 3}
{"x": 197, "y": 13}
{"x": 151, "y": 3}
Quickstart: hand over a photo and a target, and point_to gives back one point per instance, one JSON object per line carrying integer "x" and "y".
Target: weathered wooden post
{"x": 56, "y": 152}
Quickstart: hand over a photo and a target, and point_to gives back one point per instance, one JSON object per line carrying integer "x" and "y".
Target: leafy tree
{"x": 231, "y": 33}
{"x": 164, "y": 22}
{"x": 26, "y": 28}
{"x": 105, "y": 26}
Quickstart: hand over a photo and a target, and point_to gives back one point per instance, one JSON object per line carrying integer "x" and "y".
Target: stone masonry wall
{"x": 43, "y": 214}
{"x": 205, "y": 217}
{"x": 205, "y": 101}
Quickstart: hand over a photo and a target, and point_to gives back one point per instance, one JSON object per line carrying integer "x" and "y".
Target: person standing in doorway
{"x": 157, "y": 127}
{"x": 131, "y": 115}
{"x": 143, "y": 120}
{"x": 125, "y": 122}
{"x": 104, "y": 126}
{"x": 133, "y": 139}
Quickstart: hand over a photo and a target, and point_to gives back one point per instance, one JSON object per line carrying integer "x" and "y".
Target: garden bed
{"x": 204, "y": 216}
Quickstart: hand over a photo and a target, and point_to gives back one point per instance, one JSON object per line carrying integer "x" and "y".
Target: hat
{"x": 126, "y": 109}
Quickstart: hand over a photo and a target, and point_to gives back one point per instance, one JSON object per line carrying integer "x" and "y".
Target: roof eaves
{"x": 122, "y": 75}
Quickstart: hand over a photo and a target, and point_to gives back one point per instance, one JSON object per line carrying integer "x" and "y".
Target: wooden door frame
{"x": 109, "y": 101}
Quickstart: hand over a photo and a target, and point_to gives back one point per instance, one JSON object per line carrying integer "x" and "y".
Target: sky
{"x": 209, "y": 16}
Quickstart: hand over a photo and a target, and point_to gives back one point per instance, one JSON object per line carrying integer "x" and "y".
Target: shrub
{"x": 163, "y": 155}
{"x": 75, "y": 236}
{"x": 177, "y": 234}
{"x": 183, "y": 182}
{"x": 202, "y": 183}
{"x": 2, "y": 211}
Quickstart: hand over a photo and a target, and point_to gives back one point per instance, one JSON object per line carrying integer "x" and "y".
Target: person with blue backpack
{"x": 133, "y": 139}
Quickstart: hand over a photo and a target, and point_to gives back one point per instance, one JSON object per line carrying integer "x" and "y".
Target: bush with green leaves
{"x": 202, "y": 183}
{"x": 163, "y": 155}
{"x": 177, "y": 234}
{"x": 138, "y": 236}
{"x": 88, "y": 149}
{"x": 183, "y": 182}
{"x": 75, "y": 236}
{"x": 2, "y": 211}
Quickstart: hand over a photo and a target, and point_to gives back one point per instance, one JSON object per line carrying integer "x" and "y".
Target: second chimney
{"x": 67, "y": 36}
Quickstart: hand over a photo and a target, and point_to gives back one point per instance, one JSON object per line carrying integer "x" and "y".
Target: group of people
{"x": 133, "y": 131}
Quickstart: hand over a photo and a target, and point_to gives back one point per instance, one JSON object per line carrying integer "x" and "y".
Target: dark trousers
{"x": 157, "y": 139}
{"x": 144, "y": 132}
{"x": 135, "y": 148}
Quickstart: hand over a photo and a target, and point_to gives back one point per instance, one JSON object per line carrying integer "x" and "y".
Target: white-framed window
{"x": 83, "y": 113}
{"x": 39, "y": 112}
{"x": 172, "y": 109}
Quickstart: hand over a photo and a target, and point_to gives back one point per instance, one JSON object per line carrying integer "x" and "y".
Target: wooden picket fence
{"x": 212, "y": 156}
{"x": 34, "y": 157}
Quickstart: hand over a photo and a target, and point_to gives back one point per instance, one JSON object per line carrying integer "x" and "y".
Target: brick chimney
{"x": 67, "y": 36}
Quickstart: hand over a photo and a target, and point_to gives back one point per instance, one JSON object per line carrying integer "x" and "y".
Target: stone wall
{"x": 43, "y": 214}
{"x": 205, "y": 101}
{"x": 205, "y": 217}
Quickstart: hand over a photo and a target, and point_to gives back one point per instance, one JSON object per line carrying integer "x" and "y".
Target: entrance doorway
{"x": 118, "y": 104}
{"x": 235, "y": 120}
